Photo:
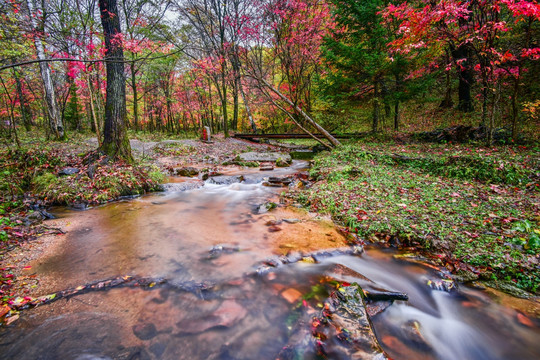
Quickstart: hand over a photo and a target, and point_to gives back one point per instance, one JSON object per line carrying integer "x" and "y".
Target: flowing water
{"x": 214, "y": 305}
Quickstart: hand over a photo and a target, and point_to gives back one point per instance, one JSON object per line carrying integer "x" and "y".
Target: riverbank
{"x": 473, "y": 210}
{"x": 71, "y": 174}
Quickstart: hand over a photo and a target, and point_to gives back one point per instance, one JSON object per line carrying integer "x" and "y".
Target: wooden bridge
{"x": 292, "y": 136}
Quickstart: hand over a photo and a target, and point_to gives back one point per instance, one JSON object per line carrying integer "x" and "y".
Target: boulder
{"x": 187, "y": 171}
{"x": 263, "y": 157}
{"x": 225, "y": 180}
{"x": 171, "y": 187}
{"x": 68, "y": 171}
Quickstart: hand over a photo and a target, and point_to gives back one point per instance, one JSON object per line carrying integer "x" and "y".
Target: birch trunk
{"x": 50, "y": 95}
{"x": 248, "y": 109}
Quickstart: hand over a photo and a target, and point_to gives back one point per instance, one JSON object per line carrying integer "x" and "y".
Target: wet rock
{"x": 413, "y": 333}
{"x": 226, "y": 315}
{"x": 263, "y": 157}
{"x": 283, "y": 162}
{"x": 210, "y": 174}
{"x": 158, "y": 349}
{"x": 266, "y": 168}
{"x": 266, "y": 183}
{"x": 376, "y": 307}
{"x": 265, "y": 207}
{"x": 79, "y": 206}
{"x": 133, "y": 353}
{"x": 187, "y": 171}
{"x": 218, "y": 250}
{"x": 68, "y": 171}
{"x": 291, "y": 221}
{"x": 182, "y": 186}
{"x": 465, "y": 276}
{"x": 285, "y": 181}
{"x": 442, "y": 284}
{"x": 145, "y": 331}
{"x": 226, "y": 180}
{"x": 46, "y": 214}
{"x": 323, "y": 254}
{"x": 346, "y": 312}
{"x": 91, "y": 171}
{"x": 92, "y": 357}
{"x": 509, "y": 288}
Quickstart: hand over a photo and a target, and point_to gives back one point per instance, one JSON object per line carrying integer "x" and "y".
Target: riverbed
{"x": 216, "y": 294}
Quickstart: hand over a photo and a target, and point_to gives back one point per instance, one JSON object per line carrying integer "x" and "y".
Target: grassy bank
{"x": 475, "y": 209}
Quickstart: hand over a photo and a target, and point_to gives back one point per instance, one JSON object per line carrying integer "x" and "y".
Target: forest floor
{"x": 472, "y": 209}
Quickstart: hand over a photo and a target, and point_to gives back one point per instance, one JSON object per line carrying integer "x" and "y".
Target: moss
{"x": 43, "y": 182}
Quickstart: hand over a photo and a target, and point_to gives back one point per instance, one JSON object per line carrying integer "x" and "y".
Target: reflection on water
{"x": 239, "y": 316}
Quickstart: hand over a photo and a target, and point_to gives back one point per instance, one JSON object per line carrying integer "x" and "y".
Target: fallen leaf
{"x": 4, "y": 310}
{"x": 524, "y": 320}
{"x": 291, "y": 295}
{"x": 12, "y": 319}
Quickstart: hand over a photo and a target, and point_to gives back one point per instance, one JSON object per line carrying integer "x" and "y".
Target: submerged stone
{"x": 145, "y": 331}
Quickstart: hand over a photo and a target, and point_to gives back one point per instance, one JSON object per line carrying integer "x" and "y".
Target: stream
{"x": 214, "y": 304}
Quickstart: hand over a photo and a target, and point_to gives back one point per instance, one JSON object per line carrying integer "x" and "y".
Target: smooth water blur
{"x": 237, "y": 316}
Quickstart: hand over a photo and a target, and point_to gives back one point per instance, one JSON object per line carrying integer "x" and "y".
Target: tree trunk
{"x": 224, "y": 104}
{"x": 93, "y": 110}
{"x": 396, "y": 116}
{"x": 248, "y": 109}
{"x": 447, "y": 101}
{"x": 135, "y": 100}
{"x": 22, "y": 103}
{"x": 50, "y": 95}
{"x": 375, "y": 123}
{"x": 465, "y": 72}
{"x": 515, "y": 112}
{"x": 115, "y": 140}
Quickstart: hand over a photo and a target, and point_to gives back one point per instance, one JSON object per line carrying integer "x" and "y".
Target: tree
{"x": 50, "y": 94}
{"x": 360, "y": 57}
{"x": 115, "y": 140}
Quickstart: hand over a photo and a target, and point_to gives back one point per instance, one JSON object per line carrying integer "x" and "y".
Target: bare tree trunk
{"x": 515, "y": 109}
{"x": 248, "y": 109}
{"x": 24, "y": 113}
{"x": 115, "y": 140}
{"x": 135, "y": 100}
{"x": 375, "y": 120}
{"x": 50, "y": 94}
{"x": 93, "y": 111}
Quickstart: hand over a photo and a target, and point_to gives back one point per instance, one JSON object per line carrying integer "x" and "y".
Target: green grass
{"x": 454, "y": 202}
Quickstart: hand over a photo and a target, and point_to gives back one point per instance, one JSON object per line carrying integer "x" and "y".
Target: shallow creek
{"x": 214, "y": 306}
